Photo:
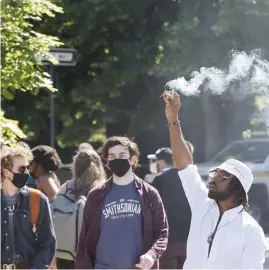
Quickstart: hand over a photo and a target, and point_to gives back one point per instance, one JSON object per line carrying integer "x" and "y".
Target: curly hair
{"x": 88, "y": 171}
{"x": 124, "y": 141}
{"x": 9, "y": 153}
{"x": 47, "y": 157}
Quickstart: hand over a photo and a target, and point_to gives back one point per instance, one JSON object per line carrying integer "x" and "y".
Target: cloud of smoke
{"x": 246, "y": 74}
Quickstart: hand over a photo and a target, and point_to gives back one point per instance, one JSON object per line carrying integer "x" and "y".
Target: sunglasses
{"x": 22, "y": 169}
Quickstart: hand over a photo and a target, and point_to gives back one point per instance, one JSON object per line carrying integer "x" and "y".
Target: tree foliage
{"x": 116, "y": 43}
{"x": 127, "y": 51}
{"x": 21, "y": 45}
{"x": 10, "y": 131}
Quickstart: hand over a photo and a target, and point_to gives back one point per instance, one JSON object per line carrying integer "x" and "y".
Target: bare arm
{"x": 181, "y": 152}
{"x": 62, "y": 189}
{"x": 48, "y": 186}
{"x": 195, "y": 190}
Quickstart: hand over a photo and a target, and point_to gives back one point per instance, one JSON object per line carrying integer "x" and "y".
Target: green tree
{"x": 117, "y": 41}
{"x": 127, "y": 51}
{"x": 21, "y": 45}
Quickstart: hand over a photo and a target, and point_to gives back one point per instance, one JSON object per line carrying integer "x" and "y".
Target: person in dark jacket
{"x": 124, "y": 223}
{"x": 176, "y": 207}
{"x": 21, "y": 247}
{"x": 163, "y": 159}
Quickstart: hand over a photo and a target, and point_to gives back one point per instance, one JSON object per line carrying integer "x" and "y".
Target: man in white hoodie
{"x": 222, "y": 234}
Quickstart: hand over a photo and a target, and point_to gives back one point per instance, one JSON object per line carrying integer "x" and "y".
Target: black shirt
{"x": 175, "y": 203}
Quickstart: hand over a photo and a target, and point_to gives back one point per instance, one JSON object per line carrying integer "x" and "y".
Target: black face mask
{"x": 119, "y": 166}
{"x": 20, "y": 179}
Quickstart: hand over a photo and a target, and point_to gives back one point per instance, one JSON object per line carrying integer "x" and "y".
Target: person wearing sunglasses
{"x": 21, "y": 248}
{"x": 222, "y": 234}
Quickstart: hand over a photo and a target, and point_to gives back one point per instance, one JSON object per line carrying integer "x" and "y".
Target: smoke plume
{"x": 246, "y": 74}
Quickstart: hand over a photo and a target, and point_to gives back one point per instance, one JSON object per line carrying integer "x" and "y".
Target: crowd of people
{"x": 169, "y": 220}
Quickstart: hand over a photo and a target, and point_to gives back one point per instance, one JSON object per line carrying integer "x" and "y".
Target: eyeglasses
{"x": 218, "y": 175}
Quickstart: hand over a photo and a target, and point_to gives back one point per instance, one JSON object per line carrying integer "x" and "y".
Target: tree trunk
{"x": 212, "y": 124}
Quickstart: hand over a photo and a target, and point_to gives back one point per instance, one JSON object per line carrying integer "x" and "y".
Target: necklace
{"x": 212, "y": 235}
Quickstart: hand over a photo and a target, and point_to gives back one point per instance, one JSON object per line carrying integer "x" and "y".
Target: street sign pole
{"x": 66, "y": 57}
{"x": 52, "y": 107}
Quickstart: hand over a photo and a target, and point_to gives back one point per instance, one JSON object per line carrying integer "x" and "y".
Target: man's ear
{"x": 4, "y": 173}
{"x": 133, "y": 160}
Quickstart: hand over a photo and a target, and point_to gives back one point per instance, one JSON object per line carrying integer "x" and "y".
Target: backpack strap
{"x": 34, "y": 208}
{"x": 79, "y": 218}
{"x": 69, "y": 186}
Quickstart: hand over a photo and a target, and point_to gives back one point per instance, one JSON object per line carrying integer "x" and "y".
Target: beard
{"x": 217, "y": 195}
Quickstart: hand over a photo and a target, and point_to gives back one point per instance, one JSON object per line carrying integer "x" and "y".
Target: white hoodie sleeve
{"x": 195, "y": 189}
{"x": 254, "y": 250}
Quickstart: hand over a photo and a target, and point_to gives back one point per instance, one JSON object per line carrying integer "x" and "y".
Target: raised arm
{"x": 195, "y": 190}
{"x": 181, "y": 152}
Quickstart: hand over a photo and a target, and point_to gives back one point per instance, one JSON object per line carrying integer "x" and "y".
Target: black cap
{"x": 164, "y": 153}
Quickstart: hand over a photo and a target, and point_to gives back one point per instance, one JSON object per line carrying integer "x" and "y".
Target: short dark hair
{"x": 240, "y": 194}
{"x": 47, "y": 157}
{"x": 118, "y": 140}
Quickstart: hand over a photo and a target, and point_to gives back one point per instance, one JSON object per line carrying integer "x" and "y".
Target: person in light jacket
{"x": 222, "y": 234}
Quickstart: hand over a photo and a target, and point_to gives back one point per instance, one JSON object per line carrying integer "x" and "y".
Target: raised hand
{"x": 172, "y": 101}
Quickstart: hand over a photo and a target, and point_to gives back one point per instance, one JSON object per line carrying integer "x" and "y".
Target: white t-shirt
{"x": 239, "y": 241}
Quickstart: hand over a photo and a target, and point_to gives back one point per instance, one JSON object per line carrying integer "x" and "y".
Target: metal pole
{"x": 52, "y": 107}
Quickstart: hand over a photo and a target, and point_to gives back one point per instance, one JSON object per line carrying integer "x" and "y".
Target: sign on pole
{"x": 65, "y": 57}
